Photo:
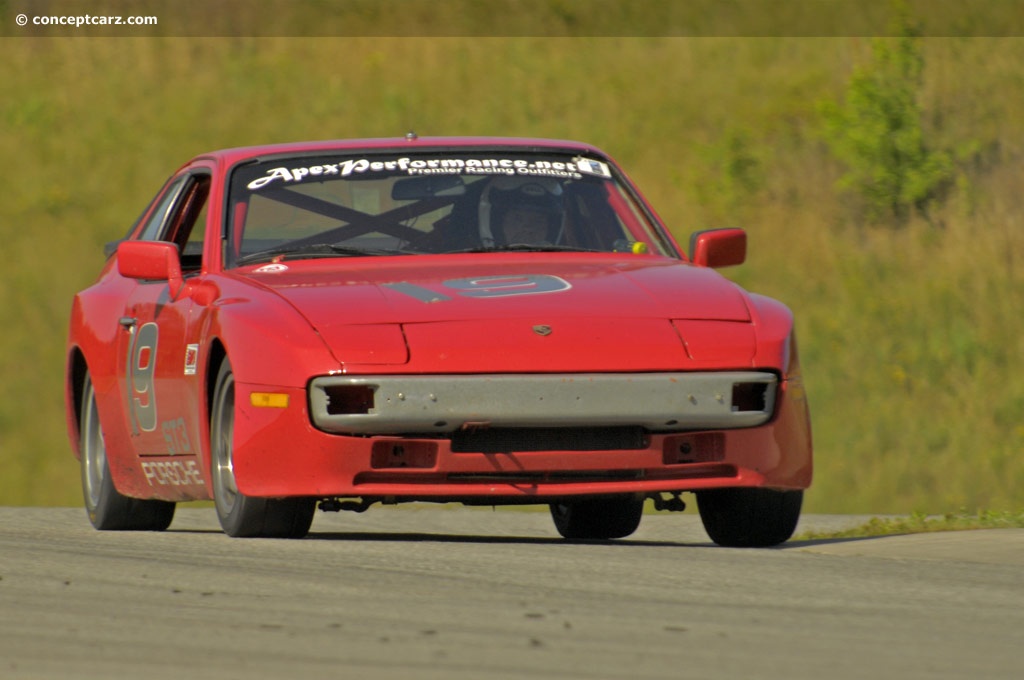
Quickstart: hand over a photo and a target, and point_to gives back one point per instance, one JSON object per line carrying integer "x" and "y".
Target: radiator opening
{"x": 513, "y": 440}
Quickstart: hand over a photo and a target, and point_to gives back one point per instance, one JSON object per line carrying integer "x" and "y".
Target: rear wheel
{"x": 749, "y": 518}
{"x": 241, "y": 515}
{"x": 599, "y": 518}
{"x": 106, "y": 507}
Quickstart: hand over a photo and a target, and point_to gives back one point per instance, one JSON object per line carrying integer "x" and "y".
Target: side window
{"x": 188, "y": 226}
{"x": 158, "y": 218}
{"x": 194, "y": 242}
{"x": 180, "y": 217}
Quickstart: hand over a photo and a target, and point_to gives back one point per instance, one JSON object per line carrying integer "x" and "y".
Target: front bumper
{"x": 281, "y": 452}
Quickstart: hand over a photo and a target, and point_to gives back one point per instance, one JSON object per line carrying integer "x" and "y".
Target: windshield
{"x": 443, "y": 202}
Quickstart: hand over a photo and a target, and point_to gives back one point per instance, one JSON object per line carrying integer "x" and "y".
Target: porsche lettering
{"x": 174, "y": 473}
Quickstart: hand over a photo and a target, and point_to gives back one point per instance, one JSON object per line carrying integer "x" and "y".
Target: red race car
{"x": 478, "y": 320}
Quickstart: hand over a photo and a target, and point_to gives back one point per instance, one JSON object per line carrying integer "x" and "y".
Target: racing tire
{"x": 749, "y": 518}
{"x": 244, "y": 516}
{"x": 107, "y": 508}
{"x": 598, "y": 518}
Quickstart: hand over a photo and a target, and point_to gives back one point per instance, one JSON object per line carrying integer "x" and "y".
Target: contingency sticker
{"x": 191, "y": 359}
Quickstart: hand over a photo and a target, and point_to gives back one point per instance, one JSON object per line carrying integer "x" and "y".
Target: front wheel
{"x": 600, "y": 518}
{"x": 241, "y": 515}
{"x": 106, "y": 507}
{"x": 749, "y": 518}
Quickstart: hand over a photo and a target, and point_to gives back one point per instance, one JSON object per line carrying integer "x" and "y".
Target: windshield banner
{"x": 567, "y": 169}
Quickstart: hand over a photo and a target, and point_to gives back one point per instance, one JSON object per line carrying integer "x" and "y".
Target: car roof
{"x": 410, "y": 142}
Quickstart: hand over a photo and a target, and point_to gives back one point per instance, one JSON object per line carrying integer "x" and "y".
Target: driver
{"x": 528, "y": 213}
{"x": 526, "y": 223}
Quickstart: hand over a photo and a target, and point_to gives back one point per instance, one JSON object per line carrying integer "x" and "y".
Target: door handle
{"x": 127, "y": 322}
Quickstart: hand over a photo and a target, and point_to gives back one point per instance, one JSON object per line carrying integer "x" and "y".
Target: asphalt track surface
{"x": 451, "y": 592}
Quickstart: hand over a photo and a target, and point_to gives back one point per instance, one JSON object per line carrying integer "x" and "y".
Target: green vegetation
{"x": 879, "y": 136}
{"x": 919, "y": 523}
{"x": 912, "y": 339}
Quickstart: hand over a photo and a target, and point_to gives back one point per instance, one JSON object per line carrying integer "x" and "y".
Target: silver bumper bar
{"x": 659, "y": 402}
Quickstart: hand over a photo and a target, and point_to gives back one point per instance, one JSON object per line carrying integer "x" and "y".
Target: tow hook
{"x": 336, "y": 505}
{"x": 674, "y": 504}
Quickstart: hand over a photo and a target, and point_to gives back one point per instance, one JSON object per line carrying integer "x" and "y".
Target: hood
{"x": 622, "y": 306}
{"x": 576, "y": 287}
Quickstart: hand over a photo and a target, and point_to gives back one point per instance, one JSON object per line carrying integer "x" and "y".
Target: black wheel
{"x": 106, "y": 507}
{"x": 598, "y": 518}
{"x": 241, "y": 515}
{"x": 749, "y": 518}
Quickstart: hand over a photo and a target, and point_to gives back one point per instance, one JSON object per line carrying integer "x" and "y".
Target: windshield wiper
{"x": 527, "y": 248}
{"x": 317, "y": 250}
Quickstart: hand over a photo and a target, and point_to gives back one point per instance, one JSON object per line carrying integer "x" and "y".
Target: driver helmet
{"x": 541, "y": 197}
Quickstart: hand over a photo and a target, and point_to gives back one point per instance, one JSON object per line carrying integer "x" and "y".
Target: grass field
{"x": 912, "y": 336}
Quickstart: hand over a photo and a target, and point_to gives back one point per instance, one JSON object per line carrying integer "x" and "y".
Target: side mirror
{"x": 151, "y": 261}
{"x": 718, "y": 247}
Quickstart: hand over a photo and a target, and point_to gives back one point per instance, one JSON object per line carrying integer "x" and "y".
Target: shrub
{"x": 876, "y": 132}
